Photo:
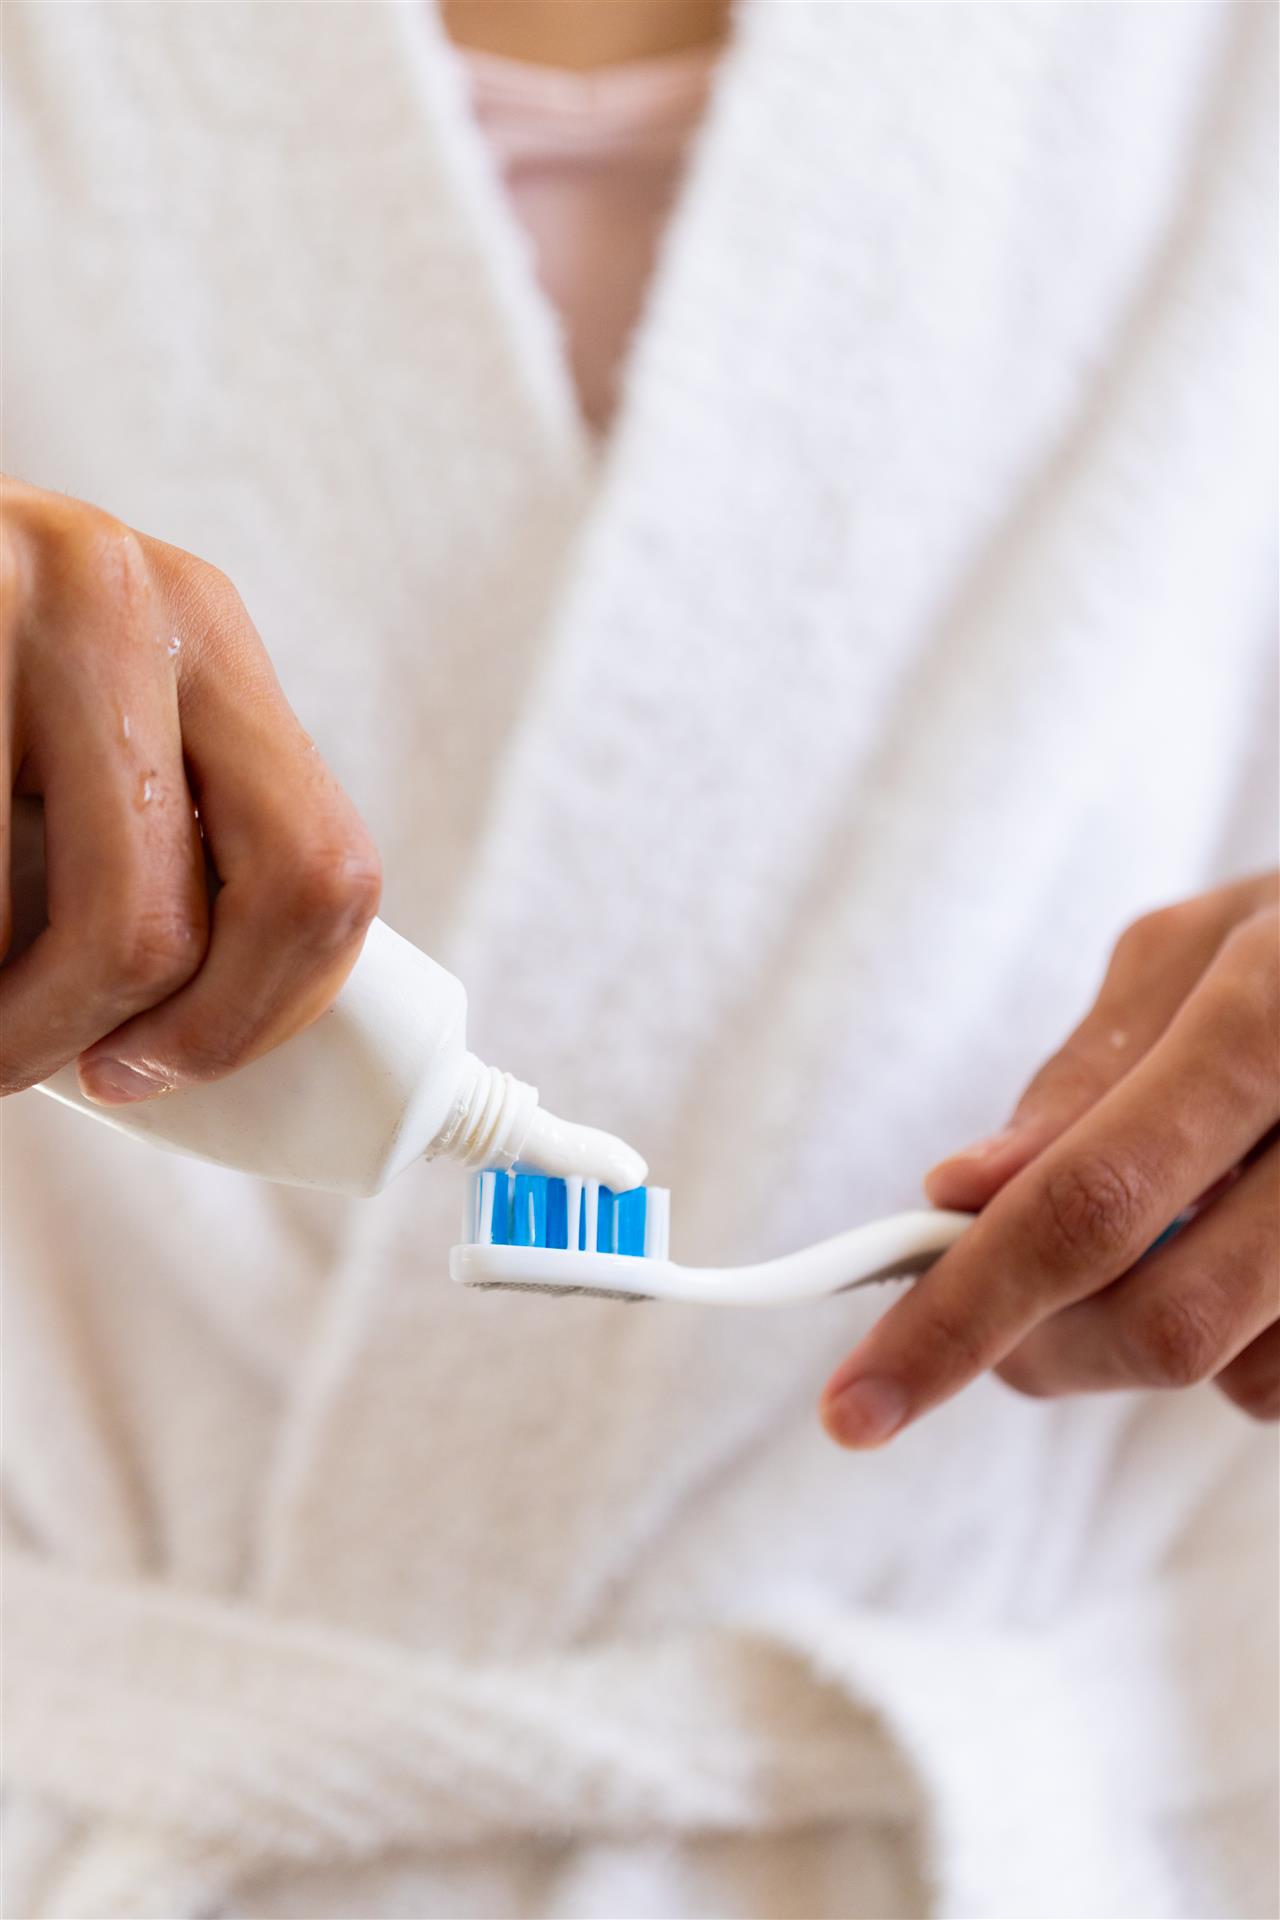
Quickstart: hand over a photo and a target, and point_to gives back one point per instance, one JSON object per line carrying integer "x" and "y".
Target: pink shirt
{"x": 592, "y": 162}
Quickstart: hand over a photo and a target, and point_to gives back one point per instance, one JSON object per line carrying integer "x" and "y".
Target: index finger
{"x": 298, "y": 874}
{"x": 1077, "y": 1218}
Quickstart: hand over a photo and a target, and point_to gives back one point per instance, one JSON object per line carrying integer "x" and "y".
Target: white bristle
{"x": 573, "y": 1206}
{"x": 657, "y": 1223}
{"x": 591, "y": 1214}
{"x": 484, "y": 1225}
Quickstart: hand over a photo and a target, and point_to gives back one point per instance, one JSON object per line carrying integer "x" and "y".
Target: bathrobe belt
{"x": 226, "y": 1740}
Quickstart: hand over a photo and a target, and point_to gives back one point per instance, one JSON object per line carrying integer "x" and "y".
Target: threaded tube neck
{"x": 489, "y": 1120}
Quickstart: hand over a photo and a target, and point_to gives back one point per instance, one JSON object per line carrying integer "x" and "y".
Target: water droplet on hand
{"x": 124, "y": 726}
{"x": 174, "y": 647}
{"x": 145, "y": 792}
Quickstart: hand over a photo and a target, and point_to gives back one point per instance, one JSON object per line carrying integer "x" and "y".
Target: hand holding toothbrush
{"x": 136, "y": 690}
{"x": 1164, "y": 1101}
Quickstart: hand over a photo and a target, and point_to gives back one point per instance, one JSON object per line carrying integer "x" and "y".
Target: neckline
{"x": 534, "y": 330}
{"x": 633, "y": 83}
{"x": 652, "y": 106}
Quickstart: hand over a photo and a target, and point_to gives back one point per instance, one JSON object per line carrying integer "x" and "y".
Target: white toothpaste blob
{"x": 568, "y": 1151}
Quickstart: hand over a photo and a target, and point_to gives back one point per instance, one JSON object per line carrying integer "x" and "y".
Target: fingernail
{"x": 112, "y": 1084}
{"x": 866, "y": 1412}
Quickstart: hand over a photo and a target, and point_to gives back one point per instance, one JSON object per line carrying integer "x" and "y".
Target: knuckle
{"x": 1070, "y": 1075}
{"x": 1168, "y": 922}
{"x": 1090, "y": 1209}
{"x": 108, "y": 560}
{"x": 332, "y": 891}
{"x": 1175, "y": 1340}
{"x": 154, "y": 953}
{"x": 1253, "y": 939}
{"x": 1141, "y": 935}
{"x": 1251, "y": 954}
{"x": 1242, "y": 1014}
{"x": 203, "y": 598}
{"x": 1155, "y": 932}
{"x": 11, "y": 571}
{"x": 204, "y": 584}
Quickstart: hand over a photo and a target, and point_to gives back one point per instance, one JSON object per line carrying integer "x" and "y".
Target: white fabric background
{"x": 777, "y": 784}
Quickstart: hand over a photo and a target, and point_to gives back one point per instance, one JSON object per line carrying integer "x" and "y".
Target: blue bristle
{"x": 531, "y": 1210}
{"x": 501, "y": 1235}
{"x": 557, "y": 1214}
{"x": 630, "y": 1216}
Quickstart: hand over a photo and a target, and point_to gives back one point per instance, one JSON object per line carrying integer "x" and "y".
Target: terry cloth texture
{"x": 777, "y": 780}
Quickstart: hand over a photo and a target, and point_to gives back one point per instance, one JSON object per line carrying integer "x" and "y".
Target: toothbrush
{"x": 516, "y": 1233}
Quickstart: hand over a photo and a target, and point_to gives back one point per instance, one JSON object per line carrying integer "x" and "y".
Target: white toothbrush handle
{"x": 896, "y": 1248}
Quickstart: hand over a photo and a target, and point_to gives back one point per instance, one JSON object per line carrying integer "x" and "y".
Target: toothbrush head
{"x": 518, "y": 1227}
{"x": 542, "y": 1235}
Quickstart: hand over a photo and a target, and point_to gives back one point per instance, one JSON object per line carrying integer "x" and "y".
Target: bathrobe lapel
{"x": 655, "y": 747}
{"x": 796, "y": 570}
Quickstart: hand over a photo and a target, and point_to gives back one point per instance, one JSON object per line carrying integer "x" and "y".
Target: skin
{"x": 1166, "y": 1095}
{"x": 582, "y": 34}
{"x": 1169, "y": 1090}
{"x": 135, "y": 689}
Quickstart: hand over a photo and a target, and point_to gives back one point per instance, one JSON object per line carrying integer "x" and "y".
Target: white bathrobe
{"x": 777, "y": 780}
